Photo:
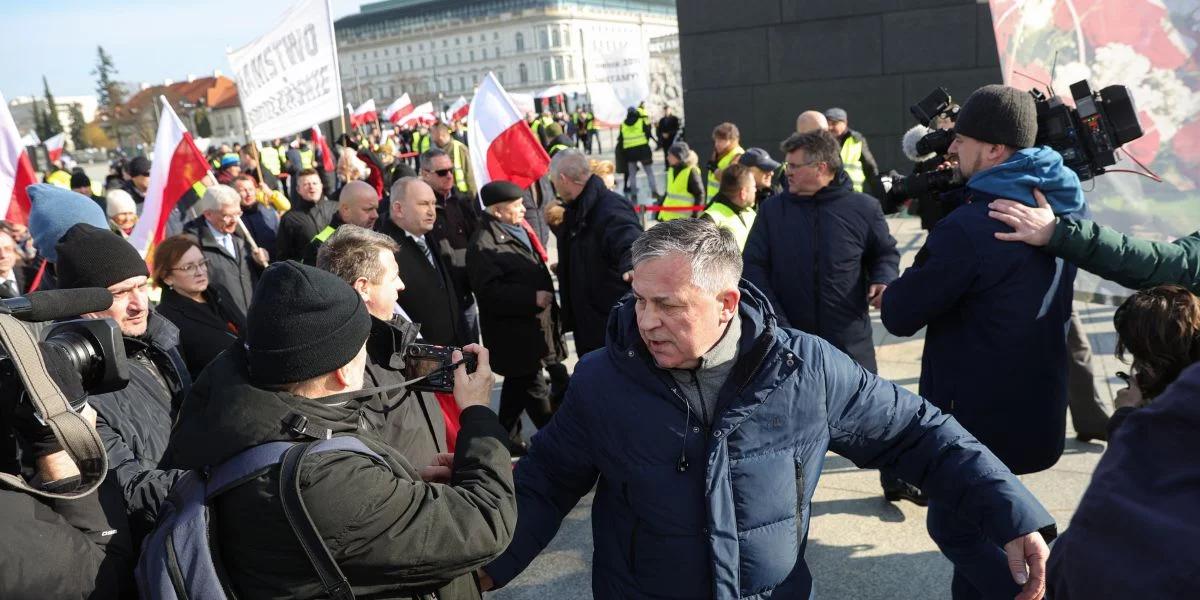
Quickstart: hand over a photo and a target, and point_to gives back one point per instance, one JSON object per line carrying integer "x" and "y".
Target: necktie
{"x": 9, "y": 289}
{"x": 425, "y": 249}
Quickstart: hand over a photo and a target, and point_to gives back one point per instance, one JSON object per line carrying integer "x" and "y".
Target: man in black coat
{"x": 598, "y": 229}
{"x": 667, "y": 131}
{"x": 429, "y": 298}
{"x": 457, "y": 220}
{"x": 134, "y": 423}
{"x": 357, "y": 204}
{"x": 517, "y": 310}
{"x": 412, "y": 422}
{"x": 261, "y": 220}
{"x": 310, "y": 213}
{"x": 233, "y": 263}
{"x": 396, "y": 530}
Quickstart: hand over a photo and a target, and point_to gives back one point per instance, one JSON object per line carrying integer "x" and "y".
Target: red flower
{"x": 1141, "y": 24}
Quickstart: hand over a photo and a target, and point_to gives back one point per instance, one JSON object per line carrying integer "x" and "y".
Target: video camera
{"x": 1086, "y": 135}
{"x": 432, "y": 367}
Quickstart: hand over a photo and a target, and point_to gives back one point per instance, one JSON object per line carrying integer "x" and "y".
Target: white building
{"x": 22, "y": 110}
{"x": 438, "y": 50}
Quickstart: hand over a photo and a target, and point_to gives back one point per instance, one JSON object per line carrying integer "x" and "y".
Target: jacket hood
{"x": 1039, "y": 167}
{"x": 226, "y": 414}
{"x": 632, "y": 116}
{"x": 754, "y": 309}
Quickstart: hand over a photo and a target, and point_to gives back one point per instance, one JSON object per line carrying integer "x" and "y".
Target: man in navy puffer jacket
{"x": 706, "y": 424}
{"x": 996, "y": 346}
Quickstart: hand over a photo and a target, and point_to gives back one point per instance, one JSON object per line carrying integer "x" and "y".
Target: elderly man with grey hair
{"x": 233, "y": 261}
{"x": 598, "y": 229}
{"x": 705, "y": 425}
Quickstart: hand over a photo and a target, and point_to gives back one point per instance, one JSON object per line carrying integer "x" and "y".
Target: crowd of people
{"x": 723, "y": 349}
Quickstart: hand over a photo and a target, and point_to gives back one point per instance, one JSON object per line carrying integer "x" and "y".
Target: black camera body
{"x": 92, "y": 347}
{"x": 433, "y": 367}
{"x": 1088, "y": 135}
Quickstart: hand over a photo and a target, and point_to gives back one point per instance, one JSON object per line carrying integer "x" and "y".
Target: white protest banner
{"x": 288, "y": 79}
{"x": 618, "y": 78}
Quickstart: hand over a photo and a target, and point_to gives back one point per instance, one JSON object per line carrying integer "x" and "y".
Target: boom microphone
{"x": 909, "y": 143}
{"x": 57, "y": 304}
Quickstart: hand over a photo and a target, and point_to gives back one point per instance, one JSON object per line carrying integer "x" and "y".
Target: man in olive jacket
{"x": 394, "y": 530}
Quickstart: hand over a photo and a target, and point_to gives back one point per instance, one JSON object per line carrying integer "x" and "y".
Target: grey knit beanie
{"x": 999, "y": 114}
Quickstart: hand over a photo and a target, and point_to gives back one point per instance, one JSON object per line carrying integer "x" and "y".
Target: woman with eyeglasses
{"x": 208, "y": 319}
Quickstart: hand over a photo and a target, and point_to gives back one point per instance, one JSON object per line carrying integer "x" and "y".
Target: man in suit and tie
{"x": 12, "y": 280}
{"x": 233, "y": 263}
{"x": 429, "y": 297}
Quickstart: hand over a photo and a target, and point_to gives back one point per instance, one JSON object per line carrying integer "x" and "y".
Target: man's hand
{"x": 544, "y": 298}
{"x": 474, "y": 389}
{"x": 875, "y": 294}
{"x": 1130, "y": 396}
{"x": 1027, "y": 562}
{"x": 441, "y": 469}
{"x": 1031, "y": 225}
{"x": 261, "y": 257}
{"x": 485, "y": 581}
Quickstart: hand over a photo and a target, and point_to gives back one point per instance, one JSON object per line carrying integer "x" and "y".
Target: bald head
{"x": 413, "y": 205}
{"x": 811, "y": 120}
{"x": 358, "y": 204}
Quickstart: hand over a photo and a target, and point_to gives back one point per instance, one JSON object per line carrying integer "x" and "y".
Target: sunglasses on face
{"x": 442, "y": 172}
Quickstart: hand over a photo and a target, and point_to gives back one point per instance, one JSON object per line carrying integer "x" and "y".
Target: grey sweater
{"x": 701, "y": 385}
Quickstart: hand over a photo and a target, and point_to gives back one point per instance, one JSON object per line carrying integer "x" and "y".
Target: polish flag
{"x": 323, "y": 149}
{"x": 421, "y": 114}
{"x": 399, "y": 109}
{"x": 54, "y": 146}
{"x": 176, "y": 166}
{"x": 16, "y": 172}
{"x": 364, "y": 114}
{"x": 500, "y": 143}
{"x": 458, "y": 111}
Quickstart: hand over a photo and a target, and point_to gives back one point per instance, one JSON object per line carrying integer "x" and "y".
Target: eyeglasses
{"x": 793, "y": 166}
{"x": 193, "y": 269}
{"x": 443, "y": 172}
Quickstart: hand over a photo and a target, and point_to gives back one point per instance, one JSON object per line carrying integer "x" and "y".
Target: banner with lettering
{"x": 618, "y": 78}
{"x": 287, "y": 79}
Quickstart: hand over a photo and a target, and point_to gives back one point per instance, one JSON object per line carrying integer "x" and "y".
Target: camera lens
{"x": 79, "y": 351}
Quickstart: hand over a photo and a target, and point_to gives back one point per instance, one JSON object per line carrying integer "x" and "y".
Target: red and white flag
{"x": 176, "y": 166}
{"x": 399, "y": 109}
{"x": 459, "y": 110}
{"x": 501, "y": 145}
{"x": 323, "y": 150}
{"x": 54, "y": 146}
{"x": 421, "y": 114}
{"x": 16, "y": 172}
{"x": 364, "y": 114}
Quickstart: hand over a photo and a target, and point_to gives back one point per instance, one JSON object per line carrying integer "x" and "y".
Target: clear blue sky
{"x": 148, "y": 40}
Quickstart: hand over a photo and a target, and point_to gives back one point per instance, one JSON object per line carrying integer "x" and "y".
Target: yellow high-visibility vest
{"x": 325, "y": 233}
{"x": 714, "y": 183}
{"x": 460, "y": 178}
{"x": 739, "y": 223}
{"x": 306, "y": 158}
{"x": 677, "y": 195}
{"x": 634, "y": 135}
{"x": 852, "y": 162}
{"x": 269, "y": 159}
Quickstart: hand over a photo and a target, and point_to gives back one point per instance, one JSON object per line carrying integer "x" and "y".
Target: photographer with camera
{"x": 995, "y": 348}
{"x": 412, "y": 423}
{"x": 394, "y": 531}
{"x": 135, "y": 422}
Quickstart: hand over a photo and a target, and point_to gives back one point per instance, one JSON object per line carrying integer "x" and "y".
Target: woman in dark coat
{"x": 518, "y": 315}
{"x": 206, "y": 315}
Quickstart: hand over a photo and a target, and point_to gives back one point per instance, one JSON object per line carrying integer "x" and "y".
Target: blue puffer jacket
{"x": 996, "y": 350}
{"x": 813, "y": 256}
{"x": 733, "y": 521}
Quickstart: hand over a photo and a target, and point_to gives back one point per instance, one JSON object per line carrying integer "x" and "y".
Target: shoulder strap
{"x": 332, "y": 578}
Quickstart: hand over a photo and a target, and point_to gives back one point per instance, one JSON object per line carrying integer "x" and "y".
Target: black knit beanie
{"x": 92, "y": 257}
{"x": 999, "y": 114}
{"x": 303, "y": 322}
{"x": 499, "y": 191}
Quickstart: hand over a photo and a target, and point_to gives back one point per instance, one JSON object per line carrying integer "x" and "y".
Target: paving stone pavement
{"x": 859, "y": 545}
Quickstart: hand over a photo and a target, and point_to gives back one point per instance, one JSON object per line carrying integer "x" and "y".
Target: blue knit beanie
{"x": 54, "y": 211}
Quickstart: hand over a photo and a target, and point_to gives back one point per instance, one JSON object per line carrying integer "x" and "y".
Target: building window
{"x": 495, "y": 35}
{"x": 410, "y": 64}
{"x": 458, "y": 57}
{"x": 520, "y": 42}
{"x": 470, "y": 39}
{"x": 391, "y": 91}
{"x": 421, "y": 46}
{"x": 524, "y": 73}
{"x": 500, "y": 75}
{"x": 462, "y": 83}
{"x": 558, "y": 67}
{"x": 557, "y": 38}
{"x": 567, "y": 36}
{"x": 449, "y": 87}
{"x": 376, "y": 68}
{"x": 375, "y": 53}
{"x": 422, "y": 62}
{"x": 457, "y": 41}
{"x": 570, "y": 68}
{"x": 547, "y": 70}
{"x": 543, "y": 38}
{"x": 484, "y": 50}
{"x": 445, "y": 59}
{"x": 387, "y": 52}
{"x": 408, "y": 48}
{"x": 497, "y": 51}
{"x": 444, "y": 43}
{"x": 473, "y": 55}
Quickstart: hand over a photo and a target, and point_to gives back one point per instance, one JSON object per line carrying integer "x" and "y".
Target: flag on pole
{"x": 176, "y": 166}
{"x": 458, "y": 111}
{"x": 399, "y": 109}
{"x": 54, "y": 146}
{"x": 501, "y": 145}
{"x": 30, "y": 139}
{"x": 364, "y": 114}
{"x": 16, "y": 172}
{"x": 420, "y": 114}
{"x": 323, "y": 148}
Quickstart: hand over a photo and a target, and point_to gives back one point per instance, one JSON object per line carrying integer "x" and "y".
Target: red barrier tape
{"x": 650, "y": 208}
